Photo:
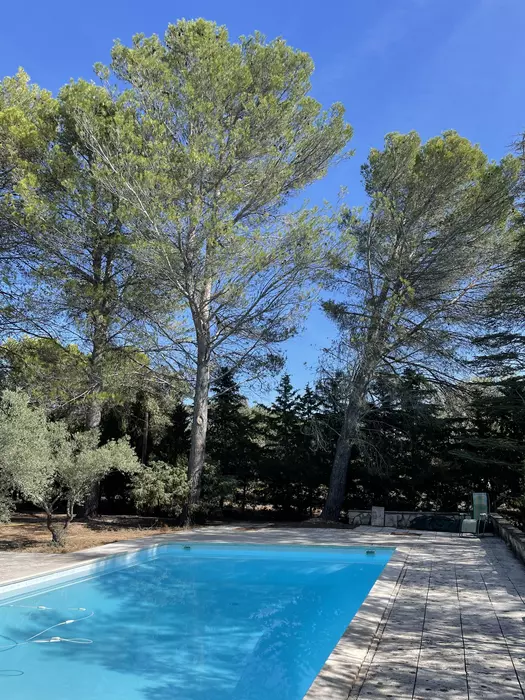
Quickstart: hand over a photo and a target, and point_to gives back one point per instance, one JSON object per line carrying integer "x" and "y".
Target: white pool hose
{"x": 35, "y": 638}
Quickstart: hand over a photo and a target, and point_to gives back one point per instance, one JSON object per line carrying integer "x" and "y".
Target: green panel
{"x": 480, "y": 504}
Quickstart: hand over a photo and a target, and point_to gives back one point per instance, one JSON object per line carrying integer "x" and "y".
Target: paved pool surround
{"x": 446, "y": 619}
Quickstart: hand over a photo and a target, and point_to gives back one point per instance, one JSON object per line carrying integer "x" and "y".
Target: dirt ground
{"x": 28, "y": 533}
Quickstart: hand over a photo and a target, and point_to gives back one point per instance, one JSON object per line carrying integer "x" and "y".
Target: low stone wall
{"x": 359, "y": 517}
{"x": 513, "y": 536}
{"x": 410, "y": 519}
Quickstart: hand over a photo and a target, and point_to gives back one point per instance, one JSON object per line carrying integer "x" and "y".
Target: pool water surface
{"x": 205, "y": 622}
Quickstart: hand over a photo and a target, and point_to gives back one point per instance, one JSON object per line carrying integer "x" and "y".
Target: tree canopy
{"x": 425, "y": 256}
{"x": 157, "y": 249}
{"x": 214, "y": 138}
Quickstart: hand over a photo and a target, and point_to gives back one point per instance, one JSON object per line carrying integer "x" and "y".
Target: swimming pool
{"x": 184, "y": 622}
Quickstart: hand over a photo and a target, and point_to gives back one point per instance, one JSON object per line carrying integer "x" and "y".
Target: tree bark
{"x": 199, "y": 427}
{"x": 353, "y": 414}
{"x": 94, "y": 413}
{"x": 198, "y": 431}
{"x": 337, "y": 488}
{"x": 145, "y": 434}
{"x": 356, "y": 406}
{"x": 58, "y": 531}
{"x": 93, "y": 419}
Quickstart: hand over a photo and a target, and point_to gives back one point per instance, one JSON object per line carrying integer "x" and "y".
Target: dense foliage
{"x": 47, "y": 465}
{"x": 420, "y": 448}
{"x": 154, "y": 257}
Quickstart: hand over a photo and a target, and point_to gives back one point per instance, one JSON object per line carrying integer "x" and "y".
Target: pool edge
{"x": 340, "y": 672}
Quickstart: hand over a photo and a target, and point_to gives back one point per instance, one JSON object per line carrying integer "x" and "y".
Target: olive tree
{"x": 212, "y": 142}
{"x": 26, "y": 461}
{"x": 49, "y": 466}
{"x": 419, "y": 262}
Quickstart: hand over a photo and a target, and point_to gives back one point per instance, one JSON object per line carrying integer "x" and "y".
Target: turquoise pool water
{"x": 208, "y": 623}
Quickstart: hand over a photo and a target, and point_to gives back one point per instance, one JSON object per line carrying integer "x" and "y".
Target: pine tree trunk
{"x": 353, "y": 414}
{"x": 145, "y": 434}
{"x": 198, "y": 431}
{"x": 356, "y": 407}
{"x": 94, "y": 416}
{"x": 199, "y": 426}
{"x": 337, "y": 488}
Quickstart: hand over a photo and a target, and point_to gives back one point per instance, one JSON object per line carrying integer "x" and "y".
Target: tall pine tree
{"x": 231, "y": 439}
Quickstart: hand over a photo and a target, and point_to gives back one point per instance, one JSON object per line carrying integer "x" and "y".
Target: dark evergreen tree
{"x": 232, "y": 445}
{"x": 313, "y": 451}
{"x": 175, "y": 439}
{"x": 488, "y": 450}
{"x": 284, "y": 442}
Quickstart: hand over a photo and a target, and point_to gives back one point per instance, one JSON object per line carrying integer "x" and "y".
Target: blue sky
{"x": 396, "y": 65}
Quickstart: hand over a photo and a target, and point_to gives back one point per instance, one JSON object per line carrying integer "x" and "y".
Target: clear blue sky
{"x": 396, "y": 65}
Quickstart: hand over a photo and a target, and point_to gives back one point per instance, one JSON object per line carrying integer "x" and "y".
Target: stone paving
{"x": 445, "y": 620}
{"x": 455, "y": 628}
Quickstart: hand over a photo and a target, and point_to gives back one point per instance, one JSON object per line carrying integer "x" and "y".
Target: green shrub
{"x": 160, "y": 486}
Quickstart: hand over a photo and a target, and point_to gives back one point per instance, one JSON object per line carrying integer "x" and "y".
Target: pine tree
{"x": 231, "y": 441}
{"x": 236, "y": 136}
{"x": 283, "y": 445}
{"x": 423, "y": 257}
{"x": 175, "y": 441}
